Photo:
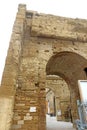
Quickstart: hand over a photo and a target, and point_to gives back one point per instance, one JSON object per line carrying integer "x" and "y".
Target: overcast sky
{"x": 8, "y": 10}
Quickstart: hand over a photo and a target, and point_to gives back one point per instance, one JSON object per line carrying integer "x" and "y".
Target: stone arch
{"x": 62, "y": 95}
{"x": 70, "y": 66}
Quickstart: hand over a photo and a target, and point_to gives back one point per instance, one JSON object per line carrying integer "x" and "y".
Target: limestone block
{"x": 16, "y": 126}
{"x": 28, "y": 117}
{"x": 6, "y": 113}
{"x": 20, "y": 122}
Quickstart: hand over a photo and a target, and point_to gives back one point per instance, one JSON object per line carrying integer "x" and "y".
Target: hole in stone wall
{"x": 54, "y": 28}
{"x": 29, "y": 14}
{"x": 37, "y": 84}
{"x": 85, "y": 69}
{"x": 46, "y": 51}
{"x": 54, "y": 47}
{"x": 37, "y": 51}
{"x": 38, "y": 42}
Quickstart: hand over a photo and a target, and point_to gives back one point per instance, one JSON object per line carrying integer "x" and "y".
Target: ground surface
{"x": 52, "y": 124}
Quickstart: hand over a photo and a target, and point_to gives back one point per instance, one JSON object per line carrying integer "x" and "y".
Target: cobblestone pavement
{"x": 52, "y": 124}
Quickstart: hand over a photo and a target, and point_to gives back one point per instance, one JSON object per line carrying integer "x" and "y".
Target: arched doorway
{"x": 70, "y": 66}
{"x": 57, "y": 103}
{"x": 59, "y": 93}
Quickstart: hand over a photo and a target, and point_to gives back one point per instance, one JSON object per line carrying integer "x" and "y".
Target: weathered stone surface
{"x": 41, "y": 45}
{"x": 59, "y": 27}
{"x": 6, "y": 112}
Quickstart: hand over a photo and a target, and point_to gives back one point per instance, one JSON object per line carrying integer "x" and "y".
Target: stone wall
{"x": 39, "y": 46}
{"x": 10, "y": 74}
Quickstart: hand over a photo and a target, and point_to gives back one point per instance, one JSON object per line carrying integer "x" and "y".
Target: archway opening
{"x": 70, "y": 66}
{"x": 57, "y": 102}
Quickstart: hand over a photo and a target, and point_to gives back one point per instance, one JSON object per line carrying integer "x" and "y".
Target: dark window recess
{"x": 85, "y": 71}
{"x": 29, "y": 15}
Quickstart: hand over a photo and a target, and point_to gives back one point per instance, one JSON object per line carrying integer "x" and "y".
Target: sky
{"x": 8, "y": 10}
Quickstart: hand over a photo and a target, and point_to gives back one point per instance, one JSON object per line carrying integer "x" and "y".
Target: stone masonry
{"x": 40, "y": 45}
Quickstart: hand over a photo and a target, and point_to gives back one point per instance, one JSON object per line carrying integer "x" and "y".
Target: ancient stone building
{"x": 41, "y": 46}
